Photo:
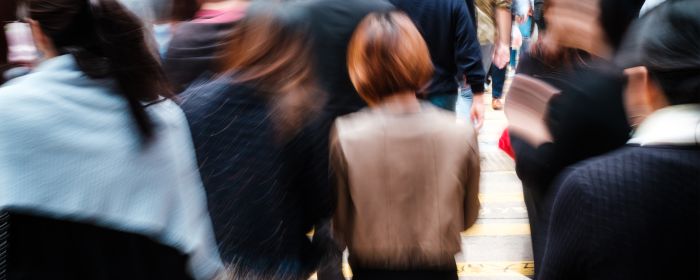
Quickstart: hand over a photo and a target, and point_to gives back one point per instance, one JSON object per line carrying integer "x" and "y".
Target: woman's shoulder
{"x": 431, "y": 120}
{"x": 23, "y": 98}
{"x": 217, "y": 93}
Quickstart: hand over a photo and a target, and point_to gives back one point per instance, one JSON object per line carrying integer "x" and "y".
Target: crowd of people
{"x": 236, "y": 139}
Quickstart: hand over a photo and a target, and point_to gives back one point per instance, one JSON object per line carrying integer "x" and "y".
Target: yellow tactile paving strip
{"x": 481, "y": 269}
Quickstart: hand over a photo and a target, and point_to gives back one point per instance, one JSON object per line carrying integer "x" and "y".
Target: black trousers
{"x": 409, "y": 274}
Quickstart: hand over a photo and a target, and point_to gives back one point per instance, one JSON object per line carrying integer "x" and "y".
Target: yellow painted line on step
{"x": 497, "y": 230}
{"x": 526, "y": 268}
{"x": 481, "y": 269}
{"x": 501, "y": 197}
{"x": 488, "y": 230}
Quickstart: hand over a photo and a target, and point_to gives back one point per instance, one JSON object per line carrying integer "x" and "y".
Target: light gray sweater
{"x": 69, "y": 149}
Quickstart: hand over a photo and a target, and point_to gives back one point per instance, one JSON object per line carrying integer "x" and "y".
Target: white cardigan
{"x": 70, "y": 149}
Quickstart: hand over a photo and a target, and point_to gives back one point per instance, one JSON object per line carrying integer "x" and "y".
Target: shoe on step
{"x": 496, "y": 104}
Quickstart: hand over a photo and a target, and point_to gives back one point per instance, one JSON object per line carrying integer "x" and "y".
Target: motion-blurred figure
{"x": 494, "y": 29}
{"x": 7, "y": 14}
{"x": 588, "y": 118}
{"x": 256, "y": 147}
{"x": 407, "y": 175}
{"x": 639, "y": 207}
{"x": 195, "y": 50}
{"x": 498, "y": 74}
{"x": 98, "y": 178}
{"x": 332, "y": 26}
{"x": 449, "y": 32}
{"x": 161, "y": 17}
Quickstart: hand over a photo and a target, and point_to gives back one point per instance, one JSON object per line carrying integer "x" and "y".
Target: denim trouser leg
{"x": 444, "y": 101}
{"x": 499, "y": 79}
{"x": 464, "y": 104}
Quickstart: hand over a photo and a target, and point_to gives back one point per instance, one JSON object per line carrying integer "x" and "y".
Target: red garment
{"x": 504, "y": 144}
{"x": 219, "y": 16}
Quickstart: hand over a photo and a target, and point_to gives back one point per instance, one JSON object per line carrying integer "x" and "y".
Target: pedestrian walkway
{"x": 498, "y": 246}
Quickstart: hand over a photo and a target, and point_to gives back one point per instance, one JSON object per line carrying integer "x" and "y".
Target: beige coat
{"x": 407, "y": 186}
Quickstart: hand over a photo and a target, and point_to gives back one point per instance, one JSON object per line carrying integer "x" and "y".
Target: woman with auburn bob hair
{"x": 406, "y": 173}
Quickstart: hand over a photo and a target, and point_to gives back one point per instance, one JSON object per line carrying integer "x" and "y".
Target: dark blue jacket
{"x": 264, "y": 193}
{"x": 630, "y": 214}
{"x": 448, "y": 28}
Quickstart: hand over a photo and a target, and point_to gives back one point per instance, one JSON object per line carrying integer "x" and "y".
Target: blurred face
{"x": 575, "y": 24}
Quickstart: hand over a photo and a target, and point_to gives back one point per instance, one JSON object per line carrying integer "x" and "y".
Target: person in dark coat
{"x": 450, "y": 32}
{"x": 255, "y": 144}
{"x": 588, "y": 118}
{"x": 634, "y": 213}
{"x": 194, "y": 52}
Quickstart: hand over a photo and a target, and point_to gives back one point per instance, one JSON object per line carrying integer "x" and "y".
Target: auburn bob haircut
{"x": 386, "y": 56}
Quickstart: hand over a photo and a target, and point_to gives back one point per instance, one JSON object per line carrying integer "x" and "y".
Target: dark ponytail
{"x": 107, "y": 41}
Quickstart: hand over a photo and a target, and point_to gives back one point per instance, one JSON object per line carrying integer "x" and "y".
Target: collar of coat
{"x": 674, "y": 125}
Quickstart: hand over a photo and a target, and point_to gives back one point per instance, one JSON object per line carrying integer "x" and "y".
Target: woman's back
{"x": 409, "y": 177}
{"x": 70, "y": 151}
{"x": 265, "y": 193}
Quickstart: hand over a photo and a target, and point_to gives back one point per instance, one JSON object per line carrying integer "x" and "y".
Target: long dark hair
{"x": 271, "y": 49}
{"x": 107, "y": 41}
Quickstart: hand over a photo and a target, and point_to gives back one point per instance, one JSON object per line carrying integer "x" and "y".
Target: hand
{"x": 517, "y": 40}
{"x": 477, "y": 113}
{"x": 521, "y": 19}
{"x": 501, "y": 56}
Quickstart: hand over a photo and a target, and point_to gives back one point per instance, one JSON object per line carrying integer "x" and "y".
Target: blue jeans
{"x": 444, "y": 101}
{"x": 464, "y": 103}
{"x": 498, "y": 76}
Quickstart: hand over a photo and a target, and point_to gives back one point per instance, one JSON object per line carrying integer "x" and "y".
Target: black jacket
{"x": 195, "y": 52}
{"x": 630, "y": 214}
{"x": 264, "y": 193}
{"x": 588, "y": 119}
{"x": 333, "y": 23}
{"x": 448, "y": 29}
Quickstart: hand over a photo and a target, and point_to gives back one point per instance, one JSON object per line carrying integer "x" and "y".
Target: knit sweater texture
{"x": 632, "y": 214}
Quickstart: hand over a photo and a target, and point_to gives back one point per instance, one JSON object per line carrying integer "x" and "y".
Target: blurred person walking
{"x": 98, "y": 177}
{"x": 498, "y": 74}
{"x": 639, "y": 206}
{"x": 162, "y": 16}
{"x": 447, "y": 27}
{"x": 494, "y": 23}
{"x": 332, "y": 25}
{"x": 7, "y": 14}
{"x": 588, "y": 118}
{"x": 401, "y": 206}
{"x": 195, "y": 50}
{"x": 255, "y": 137}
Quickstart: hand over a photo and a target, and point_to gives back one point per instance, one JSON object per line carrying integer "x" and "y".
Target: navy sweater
{"x": 449, "y": 31}
{"x": 632, "y": 214}
{"x": 264, "y": 193}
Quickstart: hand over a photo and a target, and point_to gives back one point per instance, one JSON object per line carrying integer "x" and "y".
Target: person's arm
{"x": 471, "y": 178}
{"x": 343, "y": 211}
{"x": 468, "y": 59}
{"x": 467, "y": 49}
{"x": 504, "y": 24}
{"x": 538, "y": 14}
